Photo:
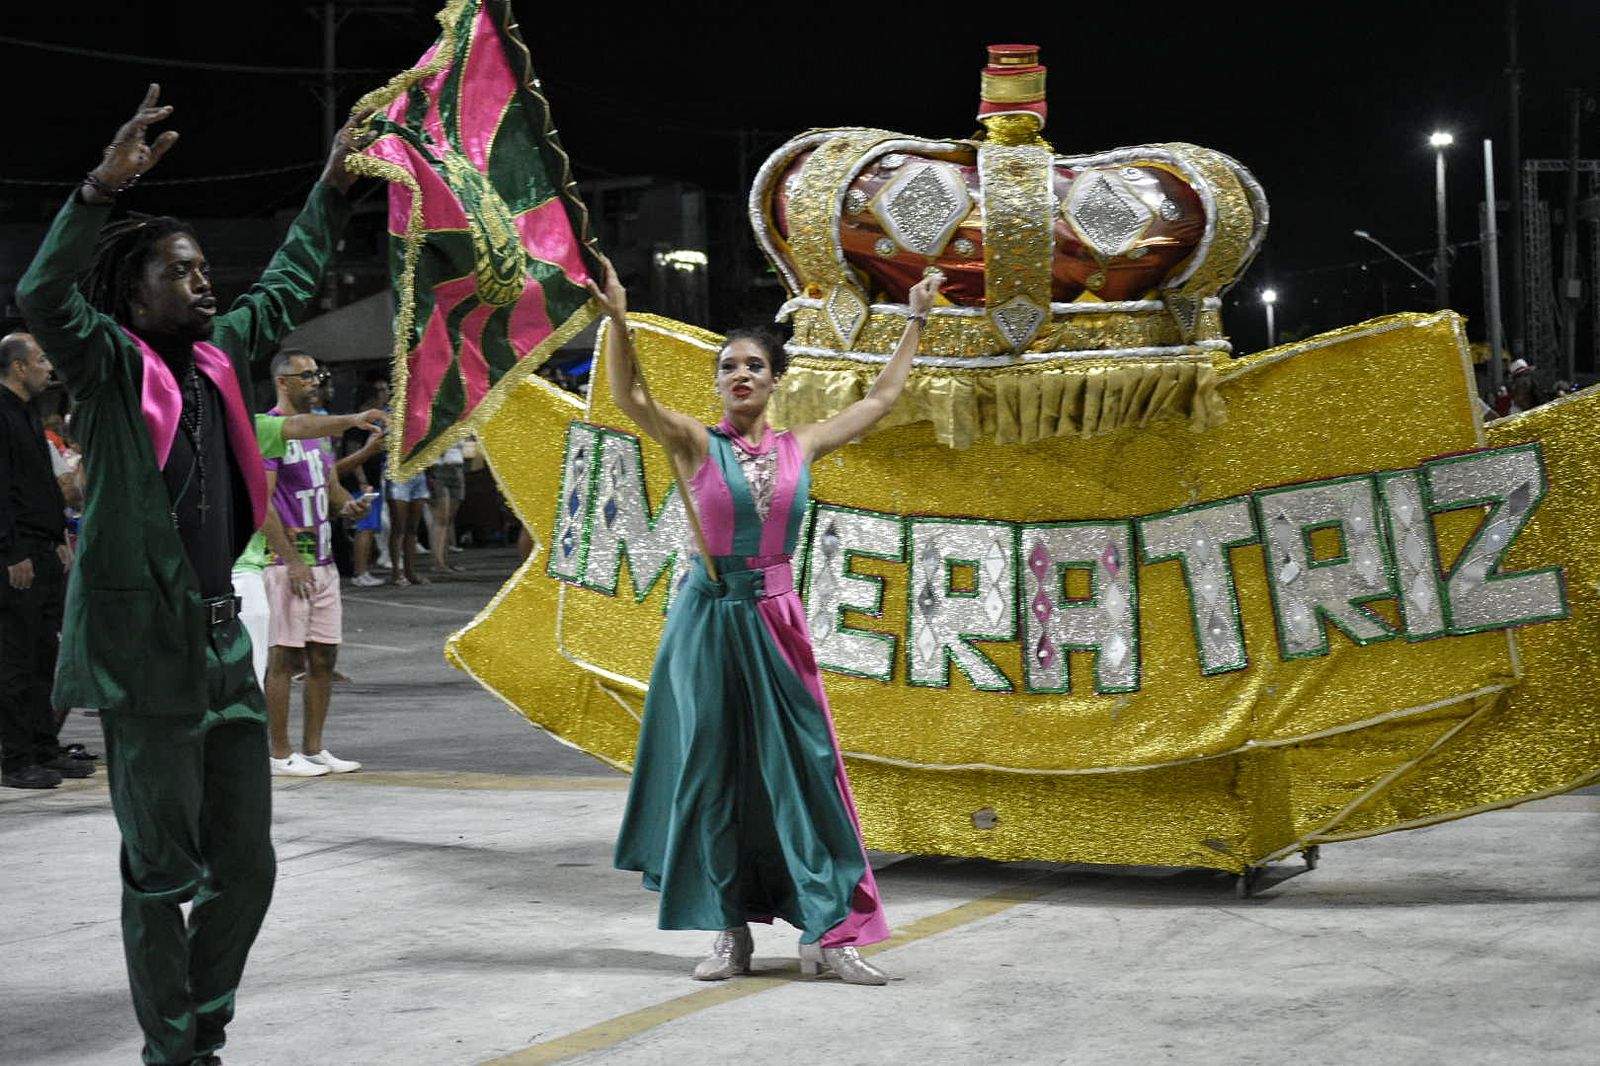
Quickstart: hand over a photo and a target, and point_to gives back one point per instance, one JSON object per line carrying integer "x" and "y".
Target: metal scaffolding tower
{"x": 1540, "y": 285}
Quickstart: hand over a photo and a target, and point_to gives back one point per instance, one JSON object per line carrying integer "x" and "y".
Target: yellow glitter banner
{"x": 1154, "y": 647}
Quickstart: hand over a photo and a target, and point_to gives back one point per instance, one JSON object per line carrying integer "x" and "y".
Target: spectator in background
{"x": 301, "y": 581}
{"x": 33, "y": 544}
{"x": 1502, "y": 402}
{"x": 1525, "y": 393}
{"x": 65, "y": 461}
{"x": 367, "y": 468}
{"x": 407, "y": 500}
{"x": 448, "y": 489}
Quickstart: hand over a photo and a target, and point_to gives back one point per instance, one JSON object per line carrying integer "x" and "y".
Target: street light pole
{"x": 1491, "y": 258}
{"x": 1269, "y": 300}
{"x": 1392, "y": 254}
{"x": 1440, "y": 140}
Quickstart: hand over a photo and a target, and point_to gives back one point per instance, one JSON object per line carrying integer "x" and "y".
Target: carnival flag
{"x": 486, "y": 229}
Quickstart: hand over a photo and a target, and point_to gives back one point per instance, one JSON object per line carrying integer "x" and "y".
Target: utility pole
{"x": 330, "y": 14}
{"x": 330, "y": 92}
{"x": 1571, "y": 287}
{"x": 1519, "y": 299}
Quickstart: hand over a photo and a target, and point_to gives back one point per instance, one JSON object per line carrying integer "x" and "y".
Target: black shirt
{"x": 211, "y": 535}
{"x": 32, "y": 518}
{"x": 371, "y": 467}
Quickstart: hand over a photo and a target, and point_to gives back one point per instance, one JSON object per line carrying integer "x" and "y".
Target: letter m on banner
{"x": 486, "y": 229}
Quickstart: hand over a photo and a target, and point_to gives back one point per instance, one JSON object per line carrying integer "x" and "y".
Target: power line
{"x": 185, "y": 64}
{"x": 1362, "y": 263}
{"x": 241, "y": 176}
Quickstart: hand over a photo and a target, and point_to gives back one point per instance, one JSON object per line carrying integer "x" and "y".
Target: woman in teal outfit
{"x": 740, "y": 809}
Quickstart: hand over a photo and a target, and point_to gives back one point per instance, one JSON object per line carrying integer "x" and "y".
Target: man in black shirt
{"x": 33, "y": 547}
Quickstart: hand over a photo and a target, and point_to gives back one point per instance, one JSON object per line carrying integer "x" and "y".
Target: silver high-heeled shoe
{"x": 846, "y": 962}
{"x": 730, "y": 955}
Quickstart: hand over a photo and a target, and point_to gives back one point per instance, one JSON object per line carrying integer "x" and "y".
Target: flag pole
{"x": 677, "y": 474}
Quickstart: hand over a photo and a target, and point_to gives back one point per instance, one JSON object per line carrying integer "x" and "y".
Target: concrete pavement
{"x": 454, "y": 903}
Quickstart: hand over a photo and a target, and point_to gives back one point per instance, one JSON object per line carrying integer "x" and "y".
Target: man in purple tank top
{"x": 302, "y": 582}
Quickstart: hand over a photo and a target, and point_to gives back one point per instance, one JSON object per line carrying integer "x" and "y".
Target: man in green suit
{"x": 150, "y": 635}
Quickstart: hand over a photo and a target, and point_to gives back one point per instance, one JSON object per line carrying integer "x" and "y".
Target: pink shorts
{"x": 296, "y": 621}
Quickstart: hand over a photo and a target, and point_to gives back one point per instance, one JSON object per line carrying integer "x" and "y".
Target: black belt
{"x": 222, "y": 609}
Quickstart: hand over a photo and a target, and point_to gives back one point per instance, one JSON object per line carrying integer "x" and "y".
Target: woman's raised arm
{"x": 682, "y": 436}
{"x": 820, "y": 438}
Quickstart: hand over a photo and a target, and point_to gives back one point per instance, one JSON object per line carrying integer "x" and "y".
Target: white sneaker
{"x": 366, "y": 581}
{"x": 332, "y": 763}
{"x": 296, "y": 765}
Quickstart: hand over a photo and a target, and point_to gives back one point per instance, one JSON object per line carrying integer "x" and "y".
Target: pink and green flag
{"x": 486, "y": 229}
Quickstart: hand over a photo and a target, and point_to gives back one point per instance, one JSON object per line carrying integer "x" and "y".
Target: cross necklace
{"x": 191, "y": 419}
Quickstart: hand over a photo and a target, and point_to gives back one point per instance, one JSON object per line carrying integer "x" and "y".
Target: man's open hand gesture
{"x": 128, "y": 157}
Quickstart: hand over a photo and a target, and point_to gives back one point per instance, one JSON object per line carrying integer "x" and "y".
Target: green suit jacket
{"x": 133, "y": 637}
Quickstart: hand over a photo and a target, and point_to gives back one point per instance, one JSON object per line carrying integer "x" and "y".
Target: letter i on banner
{"x": 569, "y": 540}
{"x": 622, "y": 525}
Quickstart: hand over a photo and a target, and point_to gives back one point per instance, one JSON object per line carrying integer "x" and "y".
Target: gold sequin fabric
{"x": 1019, "y": 239}
{"x": 972, "y": 337}
{"x": 1015, "y": 406}
{"x": 814, "y": 207}
{"x": 1240, "y": 211}
{"x": 1220, "y": 770}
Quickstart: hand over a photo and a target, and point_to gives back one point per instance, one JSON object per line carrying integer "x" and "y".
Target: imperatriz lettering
{"x": 1331, "y": 549}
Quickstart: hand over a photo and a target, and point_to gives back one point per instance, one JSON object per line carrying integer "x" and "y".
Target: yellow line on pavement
{"x": 470, "y": 781}
{"x": 614, "y": 1031}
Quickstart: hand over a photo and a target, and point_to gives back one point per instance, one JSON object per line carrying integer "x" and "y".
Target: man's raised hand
{"x": 348, "y": 139}
{"x": 128, "y": 157}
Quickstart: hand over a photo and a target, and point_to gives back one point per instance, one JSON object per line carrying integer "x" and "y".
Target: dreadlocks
{"x": 119, "y": 257}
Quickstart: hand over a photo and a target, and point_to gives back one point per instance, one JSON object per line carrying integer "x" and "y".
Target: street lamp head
{"x": 1269, "y": 296}
{"x": 1363, "y": 234}
{"x": 1441, "y": 139}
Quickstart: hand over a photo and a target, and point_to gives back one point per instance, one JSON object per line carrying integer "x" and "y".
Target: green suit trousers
{"x": 193, "y": 800}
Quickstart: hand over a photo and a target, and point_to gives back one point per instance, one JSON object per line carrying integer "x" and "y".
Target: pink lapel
{"x": 162, "y": 403}
{"x": 215, "y": 364}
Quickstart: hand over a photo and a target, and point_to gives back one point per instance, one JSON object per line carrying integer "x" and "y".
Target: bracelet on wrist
{"x": 105, "y": 188}
{"x": 920, "y": 320}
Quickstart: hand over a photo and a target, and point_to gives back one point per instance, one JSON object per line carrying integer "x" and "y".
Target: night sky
{"x": 1328, "y": 106}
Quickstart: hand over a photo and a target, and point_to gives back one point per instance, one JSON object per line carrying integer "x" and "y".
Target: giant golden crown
{"x": 1085, "y": 263}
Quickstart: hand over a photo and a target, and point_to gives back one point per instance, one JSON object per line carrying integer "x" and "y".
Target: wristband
{"x": 105, "y": 188}
{"x": 921, "y": 320}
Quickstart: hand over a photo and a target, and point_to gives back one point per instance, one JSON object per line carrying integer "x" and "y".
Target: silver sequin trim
{"x": 761, "y": 474}
{"x": 831, "y": 589}
{"x": 1106, "y": 213}
{"x": 1303, "y": 592}
{"x": 1482, "y": 595}
{"x": 623, "y": 525}
{"x": 1199, "y": 539}
{"x": 1107, "y": 623}
{"x": 943, "y": 625}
